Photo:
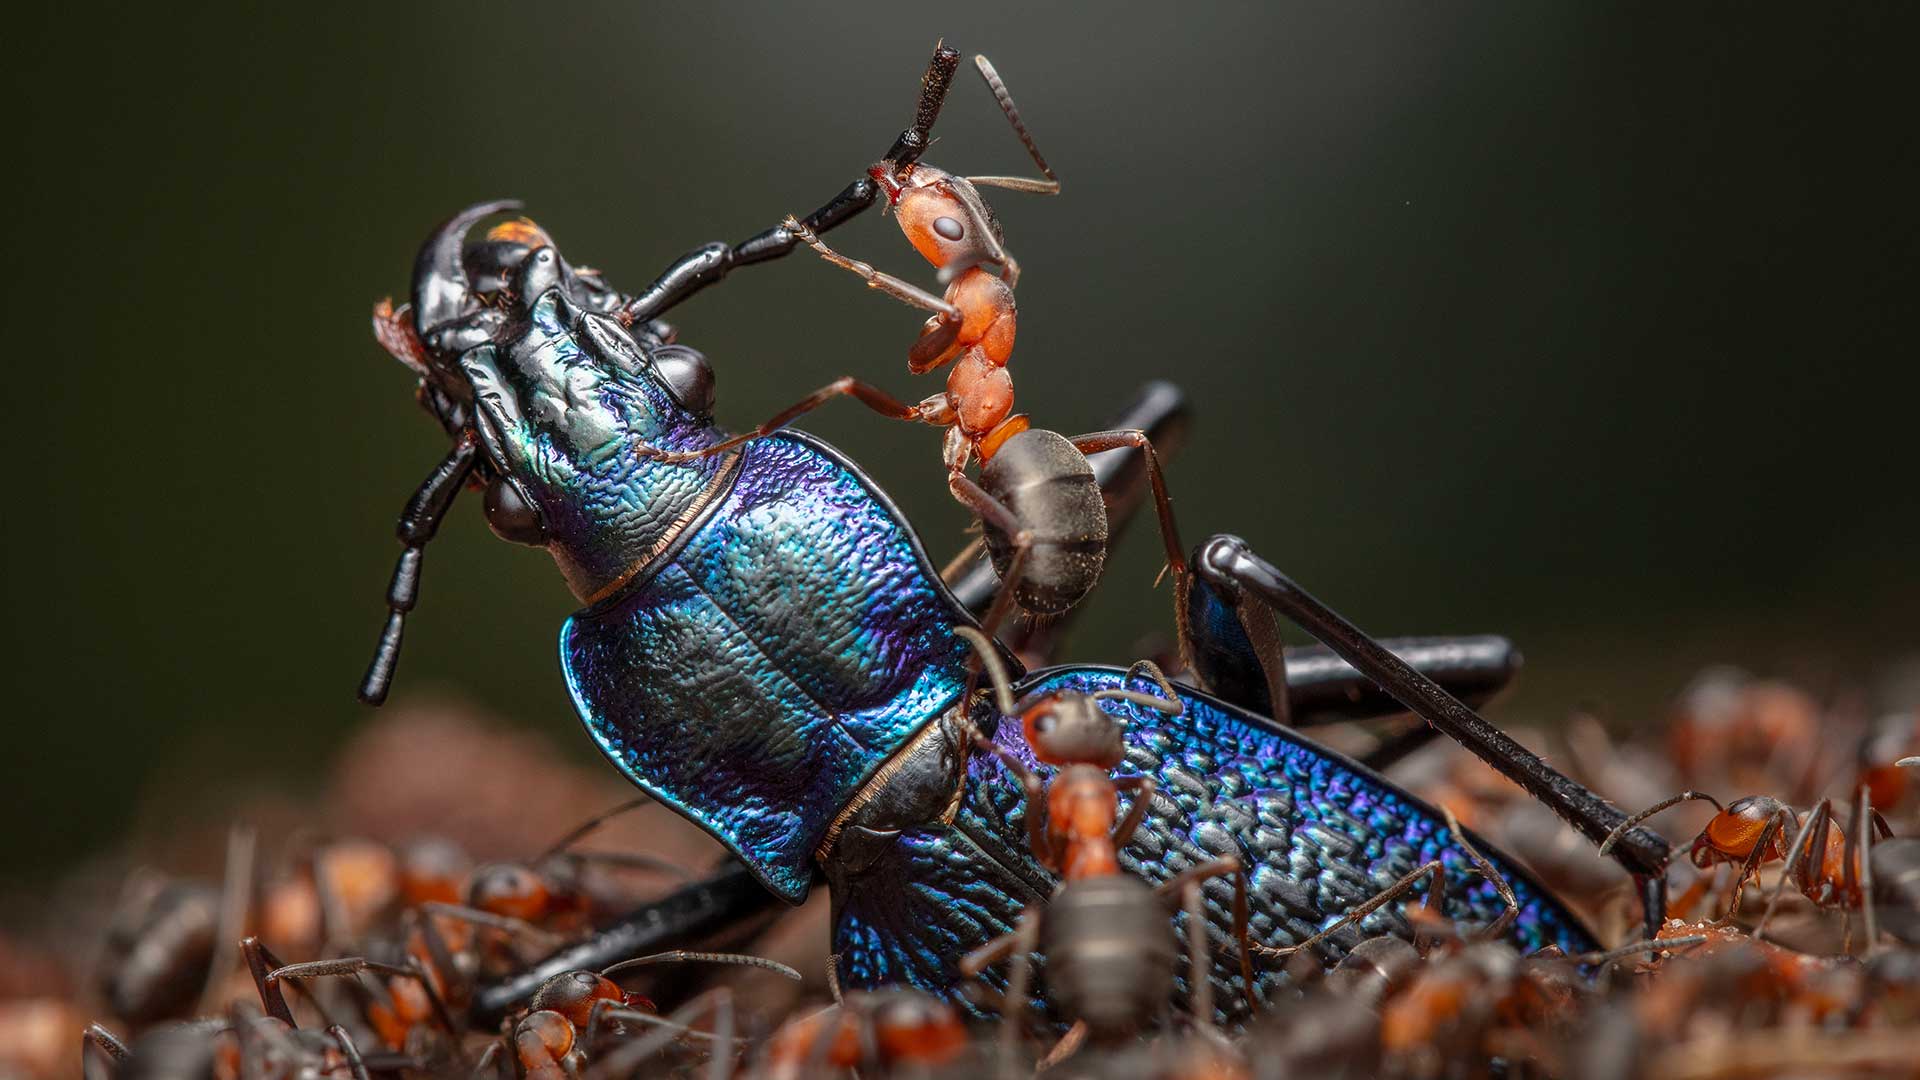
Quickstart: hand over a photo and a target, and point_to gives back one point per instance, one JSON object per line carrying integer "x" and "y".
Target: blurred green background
{"x": 1592, "y": 325}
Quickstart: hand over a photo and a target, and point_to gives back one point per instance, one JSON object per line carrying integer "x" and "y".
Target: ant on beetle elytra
{"x": 1043, "y": 520}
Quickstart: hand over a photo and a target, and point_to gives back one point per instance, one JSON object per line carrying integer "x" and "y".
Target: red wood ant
{"x": 1044, "y": 523}
{"x": 874, "y": 1031}
{"x": 1110, "y": 958}
{"x": 1751, "y": 832}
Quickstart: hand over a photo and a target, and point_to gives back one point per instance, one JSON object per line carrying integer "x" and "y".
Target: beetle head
{"x": 511, "y": 341}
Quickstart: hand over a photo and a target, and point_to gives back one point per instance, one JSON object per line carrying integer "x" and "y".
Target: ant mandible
{"x": 1043, "y": 520}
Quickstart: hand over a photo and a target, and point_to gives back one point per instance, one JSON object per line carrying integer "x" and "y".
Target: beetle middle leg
{"x": 418, "y": 523}
{"x": 1230, "y": 567}
{"x": 710, "y": 263}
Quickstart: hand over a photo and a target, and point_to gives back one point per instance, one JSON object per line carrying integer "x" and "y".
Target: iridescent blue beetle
{"x": 764, "y": 646}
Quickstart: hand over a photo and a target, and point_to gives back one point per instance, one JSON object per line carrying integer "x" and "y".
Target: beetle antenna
{"x": 1049, "y": 186}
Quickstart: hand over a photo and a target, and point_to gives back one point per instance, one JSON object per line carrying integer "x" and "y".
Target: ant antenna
{"x": 1626, "y": 826}
{"x": 1049, "y": 186}
{"x": 996, "y": 671}
{"x": 681, "y": 956}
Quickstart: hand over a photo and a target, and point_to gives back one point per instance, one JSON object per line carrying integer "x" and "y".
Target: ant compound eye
{"x": 949, "y": 228}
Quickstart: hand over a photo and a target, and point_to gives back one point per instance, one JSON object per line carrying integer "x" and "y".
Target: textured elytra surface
{"x": 1319, "y": 834}
{"x": 763, "y": 672}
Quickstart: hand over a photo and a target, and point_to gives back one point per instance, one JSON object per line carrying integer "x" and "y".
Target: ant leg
{"x": 718, "y": 1002}
{"x": 1798, "y": 854}
{"x": 1635, "y": 948}
{"x": 1860, "y": 875}
{"x": 945, "y": 314}
{"x": 1160, "y": 409}
{"x": 993, "y": 512}
{"x": 100, "y": 1053}
{"x": 1069, "y": 1045}
{"x": 1490, "y": 873}
{"x": 418, "y": 522}
{"x": 1013, "y": 1006}
{"x": 1094, "y": 442}
{"x": 517, "y": 927}
{"x": 996, "y": 671}
{"x": 1229, "y": 565}
{"x": 710, "y": 263}
{"x": 1393, "y": 892}
{"x": 1770, "y": 834}
{"x": 866, "y": 394}
{"x": 356, "y": 965}
{"x": 584, "y": 829}
{"x": 1199, "y": 962}
{"x": 355, "y": 1062}
{"x": 235, "y": 893}
{"x": 1142, "y": 789}
{"x": 1224, "y": 866}
{"x": 1036, "y": 798}
{"x": 1166, "y": 701}
{"x": 261, "y": 963}
{"x": 994, "y": 951}
{"x": 626, "y": 860}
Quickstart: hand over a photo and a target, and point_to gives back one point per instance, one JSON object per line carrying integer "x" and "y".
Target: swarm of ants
{"x": 1792, "y": 947}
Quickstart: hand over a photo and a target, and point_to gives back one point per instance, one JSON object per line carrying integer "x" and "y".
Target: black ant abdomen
{"x": 1048, "y": 485}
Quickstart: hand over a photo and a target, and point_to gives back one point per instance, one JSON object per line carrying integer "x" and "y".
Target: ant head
{"x": 912, "y": 1026}
{"x": 1072, "y": 729}
{"x": 1733, "y": 832}
{"x": 509, "y": 889}
{"x": 943, "y": 217}
{"x": 573, "y": 993}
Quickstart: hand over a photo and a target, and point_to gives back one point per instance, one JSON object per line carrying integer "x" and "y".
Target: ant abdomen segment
{"x": 1048, "y": 485}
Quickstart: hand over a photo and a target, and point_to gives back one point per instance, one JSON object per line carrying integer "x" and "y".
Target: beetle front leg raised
{"x": 710, "y": 263}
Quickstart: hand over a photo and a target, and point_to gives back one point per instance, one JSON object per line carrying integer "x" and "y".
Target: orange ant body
{"x": 1750, "y": 833}
{"x": 880, "y": 1029}
{"x": 1108, "y": 959}
{"x": 1038, "y": 501}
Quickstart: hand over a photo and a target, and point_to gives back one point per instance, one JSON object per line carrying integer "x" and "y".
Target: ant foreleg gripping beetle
{"x": 764, "y": 646}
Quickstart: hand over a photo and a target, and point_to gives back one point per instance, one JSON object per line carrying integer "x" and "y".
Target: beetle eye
{"x": 949, "y": 228}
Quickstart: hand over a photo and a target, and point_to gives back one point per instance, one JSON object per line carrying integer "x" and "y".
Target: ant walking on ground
{"x": 1824, "y": 859}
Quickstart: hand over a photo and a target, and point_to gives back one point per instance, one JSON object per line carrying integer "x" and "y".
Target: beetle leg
{"x": 418, "y": 522}
{"x": 1229, "y": 566}
{"x": 709, "y": 263}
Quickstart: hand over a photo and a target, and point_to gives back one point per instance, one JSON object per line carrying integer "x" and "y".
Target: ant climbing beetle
{"x": 764, "y": 646}
{"x": 1040, "y": 509}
